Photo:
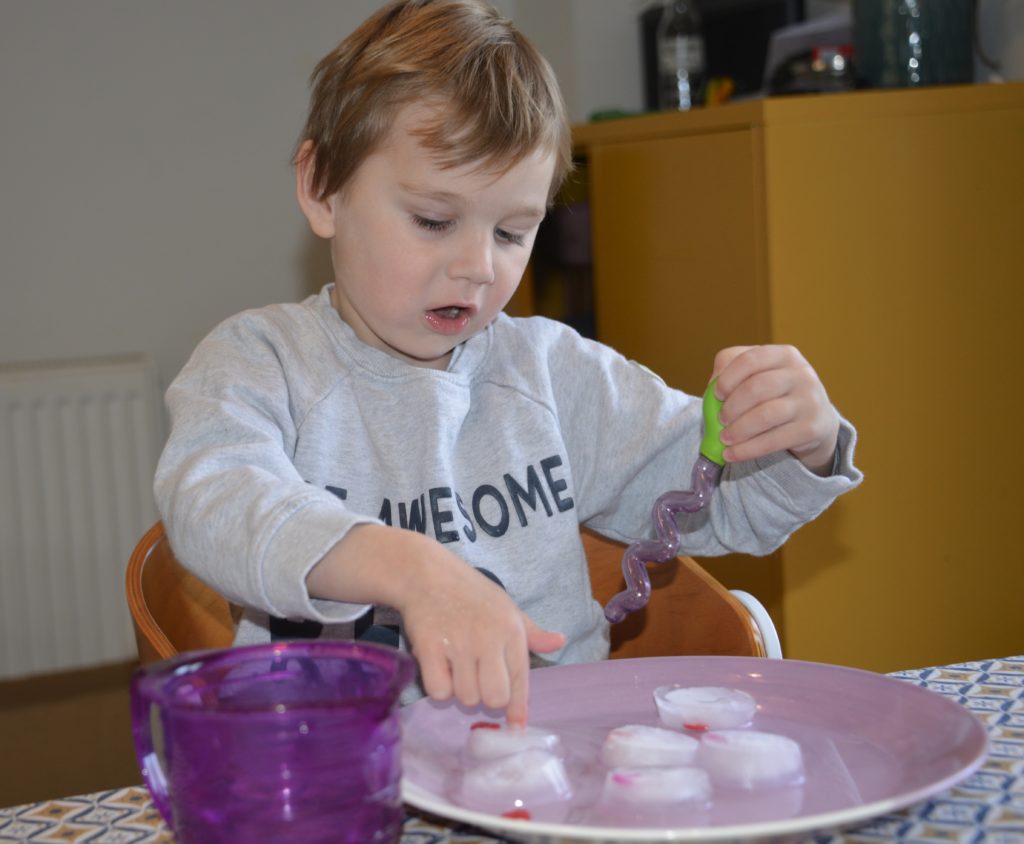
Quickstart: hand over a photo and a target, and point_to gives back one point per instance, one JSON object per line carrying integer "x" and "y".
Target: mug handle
{"x": 149, "y": 762}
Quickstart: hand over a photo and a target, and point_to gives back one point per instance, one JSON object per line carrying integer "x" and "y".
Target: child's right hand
{"x": 468, "y": 635}
{"x": 470, "y": 638}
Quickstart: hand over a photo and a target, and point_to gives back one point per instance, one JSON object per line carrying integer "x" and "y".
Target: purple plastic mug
{"x": 292, "y": 741}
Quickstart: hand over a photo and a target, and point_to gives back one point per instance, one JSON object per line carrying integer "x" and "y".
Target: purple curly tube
{"x": 705, "y": 477}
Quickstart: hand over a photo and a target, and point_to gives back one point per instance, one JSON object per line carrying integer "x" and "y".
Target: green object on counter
{"x": 711, "y": 445}
{"x": 610, "y": 114}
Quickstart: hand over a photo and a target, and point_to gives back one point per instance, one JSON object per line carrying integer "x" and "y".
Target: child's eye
{"x": 510, "y": 237}
{"x": 431, "y": 225}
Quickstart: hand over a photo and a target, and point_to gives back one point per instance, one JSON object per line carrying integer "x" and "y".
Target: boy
{"x": 362, "y": 460}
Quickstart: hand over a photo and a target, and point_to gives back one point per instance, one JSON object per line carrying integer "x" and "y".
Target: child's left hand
{"x": 774, "y": 401}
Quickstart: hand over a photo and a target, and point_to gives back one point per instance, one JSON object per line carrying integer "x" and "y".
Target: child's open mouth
{"x": 450, "y": 319}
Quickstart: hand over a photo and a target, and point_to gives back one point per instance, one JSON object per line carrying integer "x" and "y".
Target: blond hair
{"x": 498, "y": 98}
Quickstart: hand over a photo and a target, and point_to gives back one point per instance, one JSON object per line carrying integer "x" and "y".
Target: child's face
{"x": 424, "y": 257}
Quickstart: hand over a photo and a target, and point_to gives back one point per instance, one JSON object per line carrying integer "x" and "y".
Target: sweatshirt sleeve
{"x": 236, "y": 510}
{"x": 631, "y": 439}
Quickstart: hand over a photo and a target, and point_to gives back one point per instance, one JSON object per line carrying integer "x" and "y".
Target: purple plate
{"x": 871, "y": 745}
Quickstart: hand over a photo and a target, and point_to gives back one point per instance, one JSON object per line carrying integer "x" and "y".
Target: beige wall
{"x": 145, "y": 186}
{"x": 144, "y": 164}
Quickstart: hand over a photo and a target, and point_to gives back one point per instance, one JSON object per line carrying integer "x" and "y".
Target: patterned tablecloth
{"x": 986, "y": 807}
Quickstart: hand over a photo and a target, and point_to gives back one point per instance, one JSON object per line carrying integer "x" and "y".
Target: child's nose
{"x": 474, "y": 259}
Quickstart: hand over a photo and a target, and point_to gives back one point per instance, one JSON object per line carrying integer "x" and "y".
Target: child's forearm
{"x": 469, "y": 637}
{"x": 372, "y": 564}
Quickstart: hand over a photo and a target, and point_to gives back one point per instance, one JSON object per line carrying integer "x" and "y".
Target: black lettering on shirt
{"x": 486, "y": 490}
{"x": 530, "y": 495}
{"x": 442, "y": 517}
{"x": 467, "y": 529}
{"x": 556, "y": 486}
{"x": 416, "y": 519}
{"x": 493, "y": 519}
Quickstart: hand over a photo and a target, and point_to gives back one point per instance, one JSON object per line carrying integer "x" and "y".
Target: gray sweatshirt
{"x": 287, "y": 431}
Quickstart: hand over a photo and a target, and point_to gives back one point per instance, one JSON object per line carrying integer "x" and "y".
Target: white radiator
{"x": 78, "y": 446}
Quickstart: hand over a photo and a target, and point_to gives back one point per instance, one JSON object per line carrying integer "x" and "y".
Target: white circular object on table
{"x": 641, "y": 746}
{"x": 750, "y": 759}
{"x": 703, "y": 707}
{"x": 487, "y": 741}
{"x": 657, "y": 785}
{"x": 523, "y": 780}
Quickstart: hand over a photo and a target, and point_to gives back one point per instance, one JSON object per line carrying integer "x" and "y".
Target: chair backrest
{"x": 689, "y": 613}
{"x": 172, "y": 610}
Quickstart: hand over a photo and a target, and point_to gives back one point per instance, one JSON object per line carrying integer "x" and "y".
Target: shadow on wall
{"x": 313, "y": 264}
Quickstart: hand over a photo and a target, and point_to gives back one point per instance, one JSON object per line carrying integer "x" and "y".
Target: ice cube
{"x": 703, "y": 707}
{"x": 491, "y": 740}
{"x": 527, "y": 780}
{"x": 667, "y": 784}
{"x": 640, "y": 746}
{"x": 750, "y": 759}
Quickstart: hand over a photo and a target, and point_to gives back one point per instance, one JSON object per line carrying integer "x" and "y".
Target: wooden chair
{"x": 172, "y": 610}
{"x": 689, "y": 613}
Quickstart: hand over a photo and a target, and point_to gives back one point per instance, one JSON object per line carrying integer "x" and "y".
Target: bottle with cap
{"x": 681, "y": 60}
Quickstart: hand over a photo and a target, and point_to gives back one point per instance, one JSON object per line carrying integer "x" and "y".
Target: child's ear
{"x": 319, "y": 212}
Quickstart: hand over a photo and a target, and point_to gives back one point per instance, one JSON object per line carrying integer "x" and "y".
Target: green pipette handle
{"x": 711, "y": 446}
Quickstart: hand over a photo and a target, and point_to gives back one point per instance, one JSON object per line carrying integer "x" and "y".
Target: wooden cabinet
{"x": 882, "y": 233}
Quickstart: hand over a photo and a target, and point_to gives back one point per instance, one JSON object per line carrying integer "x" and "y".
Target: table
{"x": 986, "y": 807}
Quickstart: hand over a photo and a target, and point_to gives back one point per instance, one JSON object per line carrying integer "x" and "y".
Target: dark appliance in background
{"x": 736, "y": 34}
